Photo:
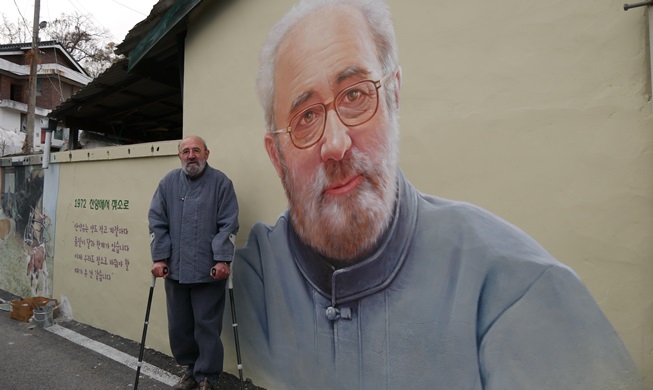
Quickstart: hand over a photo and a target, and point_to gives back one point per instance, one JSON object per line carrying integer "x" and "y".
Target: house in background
{"x": 129, "y": 104}
{"x": 59, "y": 77}
{"x": 514, "y": 107}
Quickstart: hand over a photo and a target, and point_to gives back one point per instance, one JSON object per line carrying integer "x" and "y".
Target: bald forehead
{"x": 324, "y": 51}
{"x": 315, "y": 25}
{"x": 191, "y": 142}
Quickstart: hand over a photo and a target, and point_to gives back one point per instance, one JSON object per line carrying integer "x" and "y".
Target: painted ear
{"x": 397, "y": 77}
{"x": 273, "y": 153}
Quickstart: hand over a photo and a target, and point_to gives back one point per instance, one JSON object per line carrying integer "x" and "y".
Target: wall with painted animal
{"x": 26, "y": 231}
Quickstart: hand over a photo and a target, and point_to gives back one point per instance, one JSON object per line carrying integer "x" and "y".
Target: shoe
{"x": 205, "y": 385}
{"x": 187, "y": 382}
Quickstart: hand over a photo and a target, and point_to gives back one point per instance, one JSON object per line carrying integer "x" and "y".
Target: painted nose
{"x": 336, "y": 140}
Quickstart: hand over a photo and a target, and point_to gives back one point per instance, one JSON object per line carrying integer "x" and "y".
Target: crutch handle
{"x": 213, "y": 272}
{"x": 153, "y": 283}
{"x": 145, "y": 324}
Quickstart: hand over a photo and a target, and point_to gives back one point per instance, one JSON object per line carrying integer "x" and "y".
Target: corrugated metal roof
{"x": 141, "y": 105}
{"x": 128, "y": 106}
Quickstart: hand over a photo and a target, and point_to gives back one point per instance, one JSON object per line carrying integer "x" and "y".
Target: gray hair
{"x": 192, "y": 136}
{"x": 377, "y": 15}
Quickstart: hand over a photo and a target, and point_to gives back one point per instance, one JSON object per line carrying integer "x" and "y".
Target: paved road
{"x": 36, "y": 358}
{"x": 70, "y": 355}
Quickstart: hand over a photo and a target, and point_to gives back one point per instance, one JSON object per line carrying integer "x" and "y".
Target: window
{"x": 16, "y": 92}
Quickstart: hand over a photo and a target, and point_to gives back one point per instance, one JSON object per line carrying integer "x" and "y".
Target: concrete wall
{"x": 94, "y": 205}
{"x": 537, "y": 111}
{"x": 9, "y": 116}
{"x": 102, "y": 257}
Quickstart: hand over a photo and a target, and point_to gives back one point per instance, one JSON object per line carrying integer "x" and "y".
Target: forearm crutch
{"x": 234, "y": 322}
{"x": 235, "y": 326}
{"x": 147, "y": 320}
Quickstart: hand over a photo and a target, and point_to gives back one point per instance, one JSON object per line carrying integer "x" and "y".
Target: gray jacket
{"x": 454, "y": 298}
{"x": 191, "y": 221}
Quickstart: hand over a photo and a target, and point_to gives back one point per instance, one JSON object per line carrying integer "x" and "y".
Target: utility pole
{"x": 34, "y": 60}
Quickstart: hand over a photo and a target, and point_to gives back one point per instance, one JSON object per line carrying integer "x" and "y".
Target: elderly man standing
{"x": 193, "y": 224}
{"x": 366, "y": 283}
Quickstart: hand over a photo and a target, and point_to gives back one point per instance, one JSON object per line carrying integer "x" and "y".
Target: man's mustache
{"x": 354, "y": 163}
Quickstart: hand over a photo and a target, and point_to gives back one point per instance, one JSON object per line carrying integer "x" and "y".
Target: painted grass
{"x": 13, "y": 269}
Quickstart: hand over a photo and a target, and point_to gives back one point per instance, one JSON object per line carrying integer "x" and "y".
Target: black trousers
{"x": 194, "y": 325}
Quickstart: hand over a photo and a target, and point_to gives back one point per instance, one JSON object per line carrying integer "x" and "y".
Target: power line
{"x": 138, "y": 12}
{"x": 60, "y": 90}
{"x": 22, "y": 18}
{"x": 86, "y": 12}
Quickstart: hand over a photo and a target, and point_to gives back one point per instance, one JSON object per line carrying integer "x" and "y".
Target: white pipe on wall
{"x": 46, "y": 149}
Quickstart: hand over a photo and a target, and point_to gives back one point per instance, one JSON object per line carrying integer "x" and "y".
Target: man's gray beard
{"x": 194, "y": 170}
{"x": 346, "y": 227}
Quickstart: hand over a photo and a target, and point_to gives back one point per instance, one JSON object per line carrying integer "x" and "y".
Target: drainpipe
{"x": 648, "y": 5}
{"x": 52, "y": 126}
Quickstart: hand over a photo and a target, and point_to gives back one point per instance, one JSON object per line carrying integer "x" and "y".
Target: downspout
{"x": 46, "y": 151}
{"x": 52, "y": 126}
{"x": 650, "y": 42}
{"x": 649, "y": 13}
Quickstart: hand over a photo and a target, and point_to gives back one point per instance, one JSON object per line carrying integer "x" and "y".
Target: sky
{"x": 118, "y": 16}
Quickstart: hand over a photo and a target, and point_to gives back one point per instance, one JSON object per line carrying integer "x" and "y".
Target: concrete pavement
{"x": 71, "y": 355}
{"x": 53, "y": 358}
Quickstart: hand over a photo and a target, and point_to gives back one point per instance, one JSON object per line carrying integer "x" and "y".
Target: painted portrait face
{"x": 193, "y": 156}
{"x": 341, "y": 189}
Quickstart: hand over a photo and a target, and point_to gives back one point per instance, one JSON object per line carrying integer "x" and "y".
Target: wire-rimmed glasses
{"x": 354, "y": 105}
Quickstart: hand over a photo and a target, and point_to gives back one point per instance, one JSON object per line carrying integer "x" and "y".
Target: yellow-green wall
{"x": 537, "y": 111}
{"x": 114, "y": 300}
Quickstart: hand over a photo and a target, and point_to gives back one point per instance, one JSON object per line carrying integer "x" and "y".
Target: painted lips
{"x": 344, "y": 186}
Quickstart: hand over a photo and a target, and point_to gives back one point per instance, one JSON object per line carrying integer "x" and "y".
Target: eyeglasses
{"x": 354, "y": 105}
{"x": 186, "y": 151}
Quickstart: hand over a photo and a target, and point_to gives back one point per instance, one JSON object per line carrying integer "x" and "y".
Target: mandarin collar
{"x": 372, "y": 273}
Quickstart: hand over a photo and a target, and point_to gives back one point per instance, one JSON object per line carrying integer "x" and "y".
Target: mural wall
{"x": 103, "y": 262}
{"x": 97, "y": 203}
{"x": 26, "y": 233}
{"x": 513, "y": 106}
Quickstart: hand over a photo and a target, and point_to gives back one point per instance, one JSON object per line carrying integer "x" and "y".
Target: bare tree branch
{"x": 88, "y": 44}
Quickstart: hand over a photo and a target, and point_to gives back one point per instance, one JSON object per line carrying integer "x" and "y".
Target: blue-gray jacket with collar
{"x": 193, "y": 223}
{"x": 454, "y": 298}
